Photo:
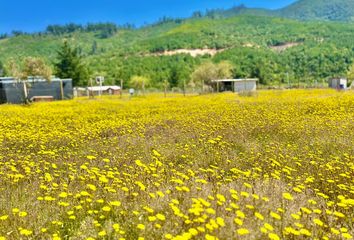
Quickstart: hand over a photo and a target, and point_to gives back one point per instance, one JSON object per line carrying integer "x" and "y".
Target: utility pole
{"x": 100, "y": 80}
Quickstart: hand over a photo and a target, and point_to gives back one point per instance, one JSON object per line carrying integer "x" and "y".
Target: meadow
{"x": 275, "y": 165}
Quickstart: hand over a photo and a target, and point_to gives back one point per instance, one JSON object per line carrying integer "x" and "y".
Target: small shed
{"x": 14, "y": 91}
{"x": 80, "y": 92}
{"x": 338, "y": 83}
{"x": 236, "y": 85}
{"x": 105, "y": 90}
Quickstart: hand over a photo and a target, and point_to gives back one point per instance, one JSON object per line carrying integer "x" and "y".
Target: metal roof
{"x": 12, "y": 80}
{"x": 103, "y": 88}
{"x": 237, "y": 80}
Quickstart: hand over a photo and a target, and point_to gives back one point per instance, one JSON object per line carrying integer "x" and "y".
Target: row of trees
{"x": 219, "y": 12}
{"x": 202, "y": 76}
{"x": 293, "y": 67}
{"x": 183, "y": 70}
{"x": 104, "y": 30}
{"x": 108, "y": 29}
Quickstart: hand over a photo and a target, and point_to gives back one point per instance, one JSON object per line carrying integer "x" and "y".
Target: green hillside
{"x": 275, "y": 50}
{"x": 332, "y": 10}
{"x": 313, "y": 10}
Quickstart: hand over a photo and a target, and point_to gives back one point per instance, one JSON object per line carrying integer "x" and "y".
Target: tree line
{"x": 183, "y": 71}
{"x": 102, "y": 30}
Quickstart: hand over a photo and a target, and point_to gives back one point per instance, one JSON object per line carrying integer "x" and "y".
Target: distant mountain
{"x": 313, "y": 10}
{"x": 330, "y": 10}
{"x": 239, "y": 10}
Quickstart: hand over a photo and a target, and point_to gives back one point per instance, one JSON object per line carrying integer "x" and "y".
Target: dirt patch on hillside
{"x": 192, "y": 52}
{"x": 284, "y": 46}
{"x": 199, "y": 51}
{"x": 250, "y": 45}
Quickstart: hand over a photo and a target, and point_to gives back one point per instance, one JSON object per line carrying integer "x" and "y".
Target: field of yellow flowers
{"x": 277, "y": 165}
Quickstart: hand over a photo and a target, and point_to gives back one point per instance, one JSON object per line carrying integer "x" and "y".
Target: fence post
{"x": 61, "y": 89}
{"x": 25, "y": 91}
{"x": 121, "y": 88}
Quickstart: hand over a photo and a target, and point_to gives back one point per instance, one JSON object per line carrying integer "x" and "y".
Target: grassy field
{"x": 277, "y": 165}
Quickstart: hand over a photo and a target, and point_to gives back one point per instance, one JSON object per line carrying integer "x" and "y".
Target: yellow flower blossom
{"x": 141, "y": 226}
{"x": 242, "y": 231}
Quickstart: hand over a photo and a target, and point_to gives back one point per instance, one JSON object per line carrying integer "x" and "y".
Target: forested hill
{"x": 272, "y": 49}
{"x": 309, "y": 10}
{"x": 333, "y": 10}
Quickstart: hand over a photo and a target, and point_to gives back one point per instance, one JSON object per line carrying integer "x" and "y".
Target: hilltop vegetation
{"x": 333, "y": 10}
{"x": 329, "y": 10}
{"x": 318, "y": 49}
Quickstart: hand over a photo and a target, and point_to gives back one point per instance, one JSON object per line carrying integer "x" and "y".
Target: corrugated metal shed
{"x": 13, "y": 91}
{"x": 236, "y": 85}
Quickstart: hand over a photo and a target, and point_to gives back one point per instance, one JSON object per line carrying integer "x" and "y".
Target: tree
{"x": 70, "y": 65}
{"x": 36, "y": 68}
{"x": 139, "y": 82}
{"x": 205, "y": 73}
{"x": 208, "y": 71}
{"x": 13, "y": 69}
{"x": 30, "y": 67}
{"x": 166, "y": 84}
{"x": 224, "y": 70}
{"x": 3, "y": 36}
{"x": 94, "y": 48}
{"x": 197, "y": 14}
{"x": 17, "y": 33}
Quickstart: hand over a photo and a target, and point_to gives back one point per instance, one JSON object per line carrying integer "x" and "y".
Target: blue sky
{"x": 35, "y": 15}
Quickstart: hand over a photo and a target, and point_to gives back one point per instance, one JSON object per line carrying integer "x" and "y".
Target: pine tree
{"x": 70, "y": 65}
{"x": 94, "y": 48}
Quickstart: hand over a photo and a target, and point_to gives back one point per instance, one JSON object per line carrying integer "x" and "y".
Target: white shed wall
{"x": 338, "y": 83}
{"x": 242, "y": 86}
{"x": 343, "y": 82}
